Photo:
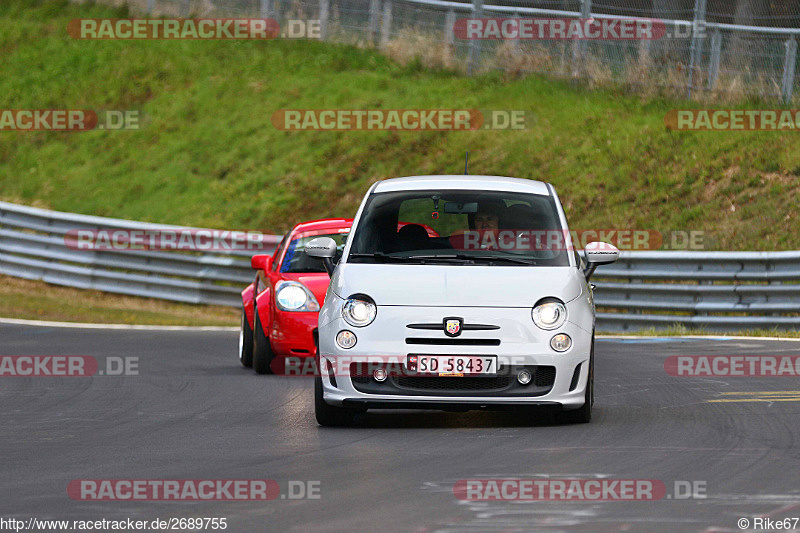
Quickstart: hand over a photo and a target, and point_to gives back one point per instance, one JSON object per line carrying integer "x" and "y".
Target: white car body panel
{"x": 456, "y": 286}
{"x": 480, "y": 294}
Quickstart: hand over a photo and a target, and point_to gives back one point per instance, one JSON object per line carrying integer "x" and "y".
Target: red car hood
{"x": 316, "y": 282}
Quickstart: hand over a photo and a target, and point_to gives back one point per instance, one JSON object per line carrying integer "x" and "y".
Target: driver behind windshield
{"x": 489, "y": 216}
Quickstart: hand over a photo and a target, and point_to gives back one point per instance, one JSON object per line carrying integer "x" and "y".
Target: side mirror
{"x": 322, "y": 248}
{"x": 599, "y": 253}
{"x": 261, "y": 262}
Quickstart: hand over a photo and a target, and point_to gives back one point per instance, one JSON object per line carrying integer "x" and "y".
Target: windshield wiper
{"x": 465, "y": 258}
{"x": 451, "y": 258}
{"x": 515, "y": 260}
{"x": 380, "y": 256}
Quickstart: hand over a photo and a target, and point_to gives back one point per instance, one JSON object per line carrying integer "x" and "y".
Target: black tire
{"x": 583, "y": 415}
{"x": 328, "y": 415}
{"x": 262, "y": 351}
{"x": 245, "y": 342}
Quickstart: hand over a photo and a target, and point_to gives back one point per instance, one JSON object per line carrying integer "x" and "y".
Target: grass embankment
{"x": 208, "y": 154}
{"x": 34, "y": 300}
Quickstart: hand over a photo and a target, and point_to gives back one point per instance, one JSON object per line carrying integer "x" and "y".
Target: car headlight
{"x": 346, "y": 339}
{"x": 549, "y": 313}
{"x": 561, "y": 342}
{"x": 294, "y": 296}
{"x": 359, "y": 310}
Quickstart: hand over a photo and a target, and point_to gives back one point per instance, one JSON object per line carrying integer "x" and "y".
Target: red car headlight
{"x": 294, "y": 296}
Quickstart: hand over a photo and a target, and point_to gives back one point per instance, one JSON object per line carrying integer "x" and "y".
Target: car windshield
{"x": 460, "y": 227}
{"x": 295, "y": 260}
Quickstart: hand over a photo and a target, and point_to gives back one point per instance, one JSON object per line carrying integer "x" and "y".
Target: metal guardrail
{"x": 33, "y": 246}
{"x": 713, "y": 291}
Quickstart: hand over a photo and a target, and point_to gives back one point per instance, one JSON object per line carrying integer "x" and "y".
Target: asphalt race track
{"x": 194, "y": 413}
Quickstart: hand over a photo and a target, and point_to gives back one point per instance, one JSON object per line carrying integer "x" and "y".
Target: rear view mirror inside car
{"x": 461, "y": 208}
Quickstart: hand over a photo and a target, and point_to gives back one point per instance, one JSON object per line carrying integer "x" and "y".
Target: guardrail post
{"x": 474, "y": 44}
{"x": 713, "y": 64}
{"x": 579, "y": 46}
{"x": 324, "y": 11}
{"x": 449, "y": 24}
{"x": 374, "y": 16}
{"x": 586, "y": 9}
{"x": 698, "y": 34}
{"x": 789, "y": 61}
{"x": 386, "y": 23}
{"x": 267, "y": 9}
{"x": 644, "y": 52}
{"x": 517, "y": 42}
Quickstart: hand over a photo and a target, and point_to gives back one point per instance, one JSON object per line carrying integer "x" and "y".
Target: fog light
{"x": 346, "y": 339}
{"x": 524, "y": 377}
{"x": 379, "y": 375}
{"x": 561, "y": 342}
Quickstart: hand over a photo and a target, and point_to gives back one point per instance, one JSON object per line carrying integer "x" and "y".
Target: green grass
{"x": 209, "y": 155}
{"x": 35, "y": 300}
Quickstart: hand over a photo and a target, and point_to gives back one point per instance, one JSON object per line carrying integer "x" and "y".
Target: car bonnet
{"x": 456, "y": 286}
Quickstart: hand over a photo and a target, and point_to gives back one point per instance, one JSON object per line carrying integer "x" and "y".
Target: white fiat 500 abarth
{"x": 457, "y": 293}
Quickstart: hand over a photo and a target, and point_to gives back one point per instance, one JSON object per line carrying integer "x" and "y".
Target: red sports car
{"x": 280, "y": 308}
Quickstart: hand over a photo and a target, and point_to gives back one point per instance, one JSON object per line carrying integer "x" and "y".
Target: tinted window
{"x": 279, "y": 252}
{"x": 296, "y": 261}
{"x": 472, "y": 227}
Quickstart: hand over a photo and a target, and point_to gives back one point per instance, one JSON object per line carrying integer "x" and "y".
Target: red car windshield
{"x": 295, "y": 260}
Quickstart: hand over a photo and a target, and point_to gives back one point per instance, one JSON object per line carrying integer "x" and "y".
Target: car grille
{"x": 434, "y": 383}
{"x": 452, "y": 342}
{"x": 545, "y": 376}
{"x": 502, "y": 384}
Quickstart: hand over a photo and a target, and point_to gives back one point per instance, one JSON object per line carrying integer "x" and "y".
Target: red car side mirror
{"x": 261, "y": 262}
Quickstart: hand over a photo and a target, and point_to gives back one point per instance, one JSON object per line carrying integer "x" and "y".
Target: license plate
{"x": 452, "y": 365}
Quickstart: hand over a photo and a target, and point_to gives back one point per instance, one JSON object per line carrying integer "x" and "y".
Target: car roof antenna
{"x": 466, "y": 163}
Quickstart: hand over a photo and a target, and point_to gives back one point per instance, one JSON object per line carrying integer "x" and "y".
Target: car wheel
{"x": 583, "y": 415}
{"x": 245, "y": 342}
{"x": 329, "y": 415}
{"x": 262, "y": 351}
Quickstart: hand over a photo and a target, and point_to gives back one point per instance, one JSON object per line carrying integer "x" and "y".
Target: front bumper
{"x": 291, "y": 333}
{"x": 521, "y": 344}
{"x": 360, "y": 404}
